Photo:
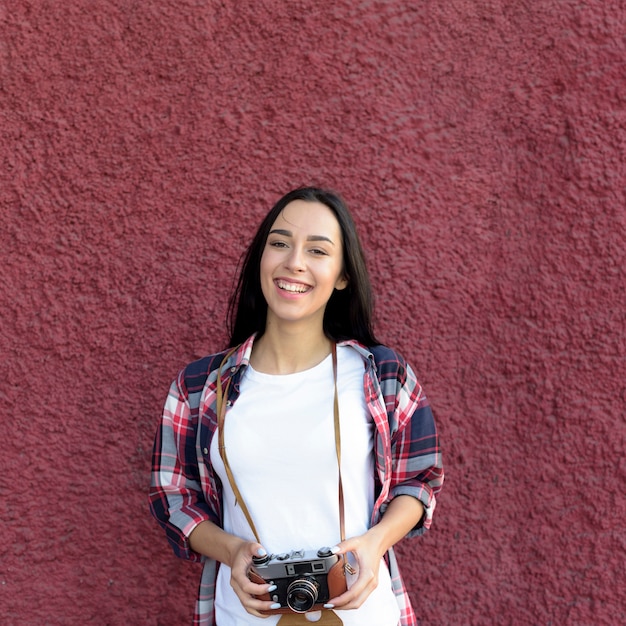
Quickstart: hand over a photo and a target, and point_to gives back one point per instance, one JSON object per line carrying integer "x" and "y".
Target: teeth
{"x": 292, "y": 288}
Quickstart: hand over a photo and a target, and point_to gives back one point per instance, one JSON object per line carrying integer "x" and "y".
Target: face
{"x": 302, "y": 263}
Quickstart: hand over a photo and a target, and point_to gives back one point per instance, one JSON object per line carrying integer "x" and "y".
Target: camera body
{"x": 305, "y": 580}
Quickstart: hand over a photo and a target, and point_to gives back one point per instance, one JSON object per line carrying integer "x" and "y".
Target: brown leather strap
{"x": 221, "y": 415}
{"x": 342, "y": 525}
{"x": 342, "y": 529}
{"x": 329, "y": 618}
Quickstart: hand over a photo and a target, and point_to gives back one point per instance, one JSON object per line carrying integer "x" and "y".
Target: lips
{"x": 291, "y": 287}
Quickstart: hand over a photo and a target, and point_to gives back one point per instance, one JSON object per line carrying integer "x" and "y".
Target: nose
{"x": 295, "y": 260}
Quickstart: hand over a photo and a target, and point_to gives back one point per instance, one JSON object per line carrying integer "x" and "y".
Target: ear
{"x": 342, "y": 282}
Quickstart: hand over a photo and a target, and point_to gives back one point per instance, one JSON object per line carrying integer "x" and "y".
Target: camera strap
{"x": 221, "y": 414}
{"x": 348, "y": 569}
{"x": 222, "y": 394}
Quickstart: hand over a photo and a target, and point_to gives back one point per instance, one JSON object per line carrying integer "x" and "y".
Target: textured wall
{"x": 481, "y": 146}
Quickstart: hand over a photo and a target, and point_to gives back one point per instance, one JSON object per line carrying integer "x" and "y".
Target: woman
{"x": 301, "y": 312}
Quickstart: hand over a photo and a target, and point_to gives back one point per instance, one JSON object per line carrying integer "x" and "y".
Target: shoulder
{"x": 385, "y": 360}
{"x": 194, "y": 375}
{"x": 384, "y": 356}
{"x": 385, "y": 364}
{"x": 392, "y": 369}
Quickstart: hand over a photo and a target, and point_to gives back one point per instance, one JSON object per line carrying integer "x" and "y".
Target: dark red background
{"x": 481, "y": 147}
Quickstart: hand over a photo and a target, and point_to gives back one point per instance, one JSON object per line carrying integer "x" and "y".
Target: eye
{"x": 277, "y": 244}
{"x": 319, "y": 251}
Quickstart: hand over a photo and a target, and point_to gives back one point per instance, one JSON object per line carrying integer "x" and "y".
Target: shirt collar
{"x": 241, "y": 358}
{"x": 364, "y": 351}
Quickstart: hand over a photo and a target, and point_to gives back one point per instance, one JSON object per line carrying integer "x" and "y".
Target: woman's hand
{"x": 402, "y": 514}
{"x": 209, "y": 539}
{"x": 246, "y": 590}
{"x": 366, "y": 551}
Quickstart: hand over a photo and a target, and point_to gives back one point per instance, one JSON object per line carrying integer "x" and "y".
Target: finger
{"x": 348, "y": 600}
{"x": 349, "y": 545}
{"x": 260, "y": 608}
{"x": 345, "y": 548}
{"x": 254, "y": 598}
{"x": 357, "y": 592}
{"x": 251, "y": 587}
{"x": 257, "y": 589}
{"x": 261, "y": 602}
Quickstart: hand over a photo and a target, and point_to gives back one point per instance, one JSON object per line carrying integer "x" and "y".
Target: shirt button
{"x": 205, "y": 451}
{"x": 229, "y": 403}
{"x": 233, "y": 370}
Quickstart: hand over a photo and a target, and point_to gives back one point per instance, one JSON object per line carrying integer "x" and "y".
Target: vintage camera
{"x": 305, "y": 580}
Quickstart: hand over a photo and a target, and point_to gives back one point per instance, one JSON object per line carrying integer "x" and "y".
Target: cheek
{"x": 267, "y": 268}
{"x": 264, "y": 265}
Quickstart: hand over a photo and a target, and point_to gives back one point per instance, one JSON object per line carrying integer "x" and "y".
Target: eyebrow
{"x": 288, "y": 233}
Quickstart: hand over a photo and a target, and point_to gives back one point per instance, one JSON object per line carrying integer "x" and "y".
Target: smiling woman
{"x": 305, "y": 400}
{"x": 348, "y": 313}
{"x": 301, "y": 266}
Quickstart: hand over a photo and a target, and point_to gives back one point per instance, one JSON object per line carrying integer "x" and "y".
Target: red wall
{"x": 481, "y": 146}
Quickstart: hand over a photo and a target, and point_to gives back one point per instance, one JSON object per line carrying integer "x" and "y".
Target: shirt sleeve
{"x": 417, "y": 468}
{"x": 176, "y": 497}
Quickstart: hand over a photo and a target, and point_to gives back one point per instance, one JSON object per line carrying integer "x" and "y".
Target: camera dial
{"x": 324, "y": 552}
{"x": 261, "y": 560}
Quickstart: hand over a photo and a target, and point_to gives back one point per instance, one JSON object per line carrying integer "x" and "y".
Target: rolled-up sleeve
{"x": 176, "y": 497}
{"x": 417, "y": 467}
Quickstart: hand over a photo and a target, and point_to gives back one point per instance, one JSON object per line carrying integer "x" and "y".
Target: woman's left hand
{"x": 402, "y": 514}
{"x": 367, "y": 554}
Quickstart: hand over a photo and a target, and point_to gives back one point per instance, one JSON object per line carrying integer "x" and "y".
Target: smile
{"x": 292, "y": 287}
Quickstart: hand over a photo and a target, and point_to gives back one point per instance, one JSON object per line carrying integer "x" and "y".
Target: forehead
{"x": 310, "y": 218}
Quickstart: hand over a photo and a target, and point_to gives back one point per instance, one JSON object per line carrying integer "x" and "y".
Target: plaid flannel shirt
{"x": 185, "y": 491}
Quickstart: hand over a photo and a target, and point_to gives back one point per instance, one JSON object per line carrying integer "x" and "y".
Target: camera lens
{"x": 302, "y": 594}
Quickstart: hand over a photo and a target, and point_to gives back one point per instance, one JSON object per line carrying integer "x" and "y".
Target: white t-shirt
{"x": 280, "y": 440}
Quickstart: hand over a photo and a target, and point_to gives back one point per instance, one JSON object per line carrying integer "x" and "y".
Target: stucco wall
{"x": 481, "y": 147}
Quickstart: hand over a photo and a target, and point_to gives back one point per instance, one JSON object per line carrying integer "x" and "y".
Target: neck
{"x": 280, "y": 352}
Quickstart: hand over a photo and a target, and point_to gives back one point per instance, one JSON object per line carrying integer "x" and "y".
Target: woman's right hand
{"x": 247, "y": 591}
{"x": 209, "y": 539}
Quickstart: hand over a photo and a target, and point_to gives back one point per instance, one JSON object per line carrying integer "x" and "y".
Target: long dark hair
{"x": 348, "y": 313}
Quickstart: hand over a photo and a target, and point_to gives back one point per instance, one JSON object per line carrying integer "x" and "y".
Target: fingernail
{"x": 272, "y": 588}
{"x": 329, "y": 606}
{"x": 276, "y": 605}
{"x": 261, "y": 552}
{"x": 335, "y": 549}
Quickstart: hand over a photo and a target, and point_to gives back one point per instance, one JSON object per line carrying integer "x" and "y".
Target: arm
{"x": 414, "y": 476}
{"x": 178, "y": 502}
{"x": 416, "y": 461}
{"x": 210, "y": 540}
{"x": 176, "y": 498}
